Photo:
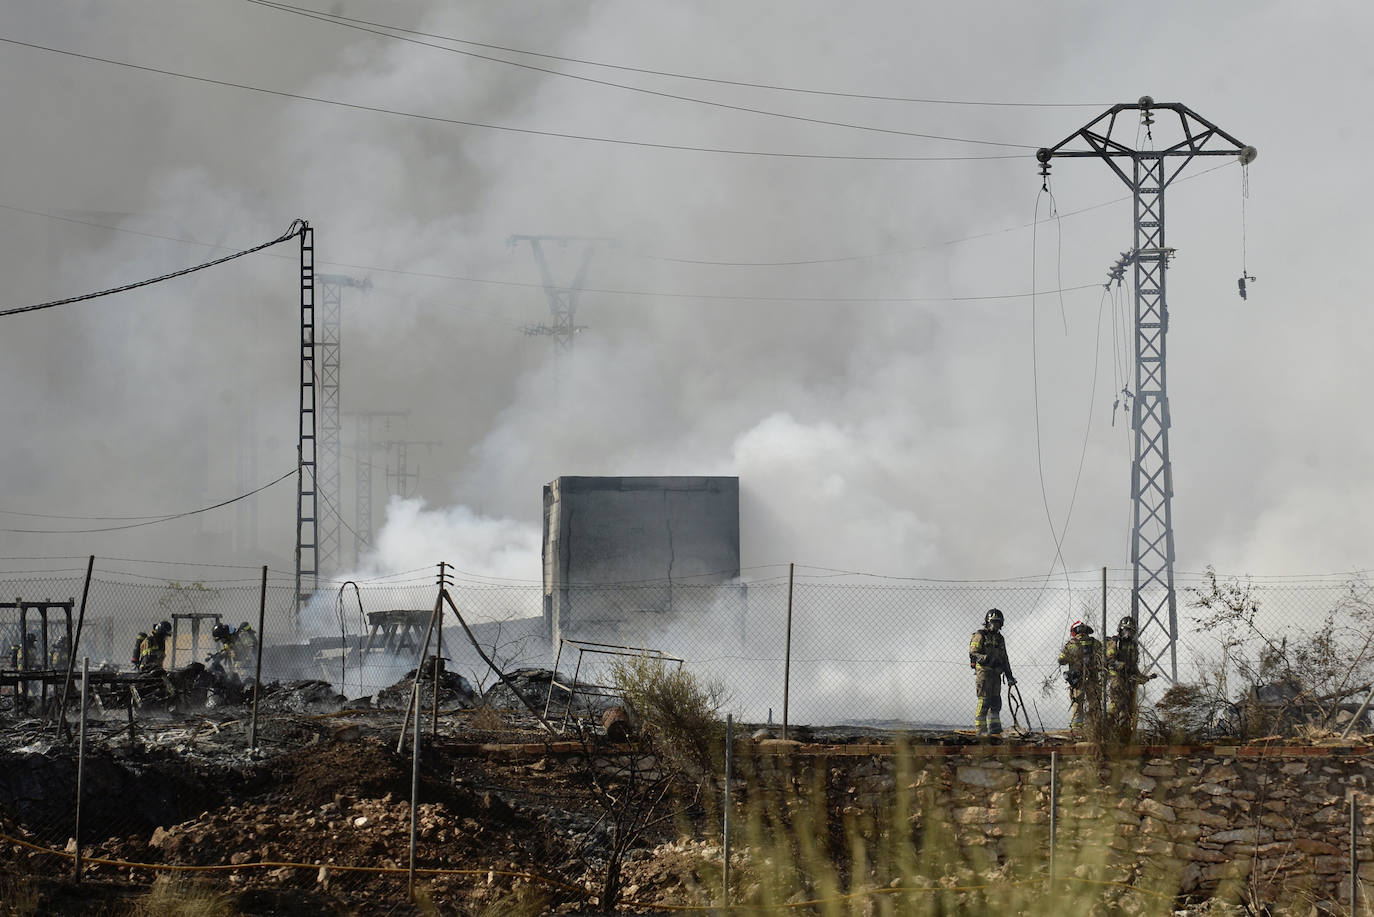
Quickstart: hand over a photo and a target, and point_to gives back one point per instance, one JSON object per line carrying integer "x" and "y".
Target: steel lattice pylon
{"x": 562, "y": 300}
{"x": 1153, "y": 602}
{"x": 330, "y": 447}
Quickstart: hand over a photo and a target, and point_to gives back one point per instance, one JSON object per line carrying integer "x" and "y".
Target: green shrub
{"x": 677, "y": 709}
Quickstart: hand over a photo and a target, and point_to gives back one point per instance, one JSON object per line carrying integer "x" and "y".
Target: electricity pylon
{"x": 363, "y": 446}
{"x": 1148, "y": 172}
{"x": 330, "y": 346}
{"x": 402, "y": 476}
{"x": 307, "y": 499}
{"x": 562, "y": 300}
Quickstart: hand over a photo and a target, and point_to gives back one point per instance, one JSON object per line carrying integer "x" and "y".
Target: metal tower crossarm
{"x": 1148, "y": 172}
{"x": 562, "y": 300}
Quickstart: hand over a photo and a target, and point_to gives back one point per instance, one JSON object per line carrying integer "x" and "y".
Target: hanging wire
{"x": 1035, "y": 395}
{"x": 295, "y": 229}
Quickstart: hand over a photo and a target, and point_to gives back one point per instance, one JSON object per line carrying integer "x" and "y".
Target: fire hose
{"x": 1017, "y": 705}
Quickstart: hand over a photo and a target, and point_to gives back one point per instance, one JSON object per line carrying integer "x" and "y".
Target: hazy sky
{"x": 903, "y": 427}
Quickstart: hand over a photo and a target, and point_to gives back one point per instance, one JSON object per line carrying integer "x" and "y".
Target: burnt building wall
{"x": 616, "y": 547}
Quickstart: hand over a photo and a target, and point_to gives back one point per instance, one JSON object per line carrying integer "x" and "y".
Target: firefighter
{"x": 152, "y": 649}
{"x": 1123, "y": 678}
{"x": 987, "y": 656}
{"x": 25, "y": 657}
{"x": 243, "y": 649}
{"x": 59, "y": 653}
{"x": 138, "y": 648}
{"x": 1082, "y": 658}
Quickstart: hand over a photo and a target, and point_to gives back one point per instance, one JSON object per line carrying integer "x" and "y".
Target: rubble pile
{"x": 305, "y": 697}
{"x": 532, "y": 684}
{"x": 454, "y": 691}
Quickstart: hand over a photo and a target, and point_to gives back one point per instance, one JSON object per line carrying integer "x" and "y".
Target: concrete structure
{"x": 616, "y": 548}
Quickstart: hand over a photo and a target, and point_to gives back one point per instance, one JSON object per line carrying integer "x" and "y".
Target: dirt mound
{"x": 311, "y": 777}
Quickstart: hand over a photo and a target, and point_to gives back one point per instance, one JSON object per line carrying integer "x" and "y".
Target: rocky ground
{"x": 318, "y": 819}
{"x": 507, "y": 812}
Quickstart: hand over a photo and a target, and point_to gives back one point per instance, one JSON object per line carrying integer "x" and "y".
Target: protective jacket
{"x": 242, "y": 650}
{"x": 152, "y": 653}
{"x": 987, "y": 651}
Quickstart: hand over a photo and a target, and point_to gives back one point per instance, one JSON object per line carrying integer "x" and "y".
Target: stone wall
{"x": 1260, "y": 823}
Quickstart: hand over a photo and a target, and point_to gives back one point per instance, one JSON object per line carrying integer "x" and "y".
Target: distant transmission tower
{"x": 562, "y": 300}
{"x": 402, "y": 476}
{"x": 1148, "y": 173}
{"x": 364, "y": 445}
{"x": 331, "y": 333}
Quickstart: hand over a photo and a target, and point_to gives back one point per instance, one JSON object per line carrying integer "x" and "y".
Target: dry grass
{"x": 171, "y": 897}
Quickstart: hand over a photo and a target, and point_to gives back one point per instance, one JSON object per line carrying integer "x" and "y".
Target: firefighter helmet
{"x": 163, "y": 628}
{"x": 1126, "y": 624}
{"x": 993, "y": 617}
{"x": 1078, "y": 628}
{"x": 220, "y": 632}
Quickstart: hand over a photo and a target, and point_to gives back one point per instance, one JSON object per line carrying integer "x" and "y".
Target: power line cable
{"x": 293, "y": 230}
{"x": 435, "y": 119}
{"x": 712, "y": 296}
{"x": 350, "y": 24}
{"x": 645, "y": 255}
{"x": 116, "y": 528}
{"x": 685, "y": 76}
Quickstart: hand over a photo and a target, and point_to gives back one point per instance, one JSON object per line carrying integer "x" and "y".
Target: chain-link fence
{"x": 832, "y": 648}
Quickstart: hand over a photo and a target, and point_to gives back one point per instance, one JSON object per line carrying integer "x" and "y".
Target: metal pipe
{"x": 73, "y": 644}
{"x": 1054, "y": 810}
{"x": 81, "y": 763}
{"x": 257, "y": 671}
{"x": 787, "y": 652}
{"x": 1358, "y": 713}
{"x": 725, "y": 826}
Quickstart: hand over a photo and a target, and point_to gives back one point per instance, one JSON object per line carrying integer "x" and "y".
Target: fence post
{"x": 1102, "y": 713}
{"x": 415, "y": 735}
{"x": 81, "y": 763}
{"x": 73, "y": 644}
{"x": 725, "y": 821}
{"x": 1354, "y": 857}
{"x": 257, "y": 672}
{"x": 1054, "y": 810}
{"x": 787, "y": 652}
